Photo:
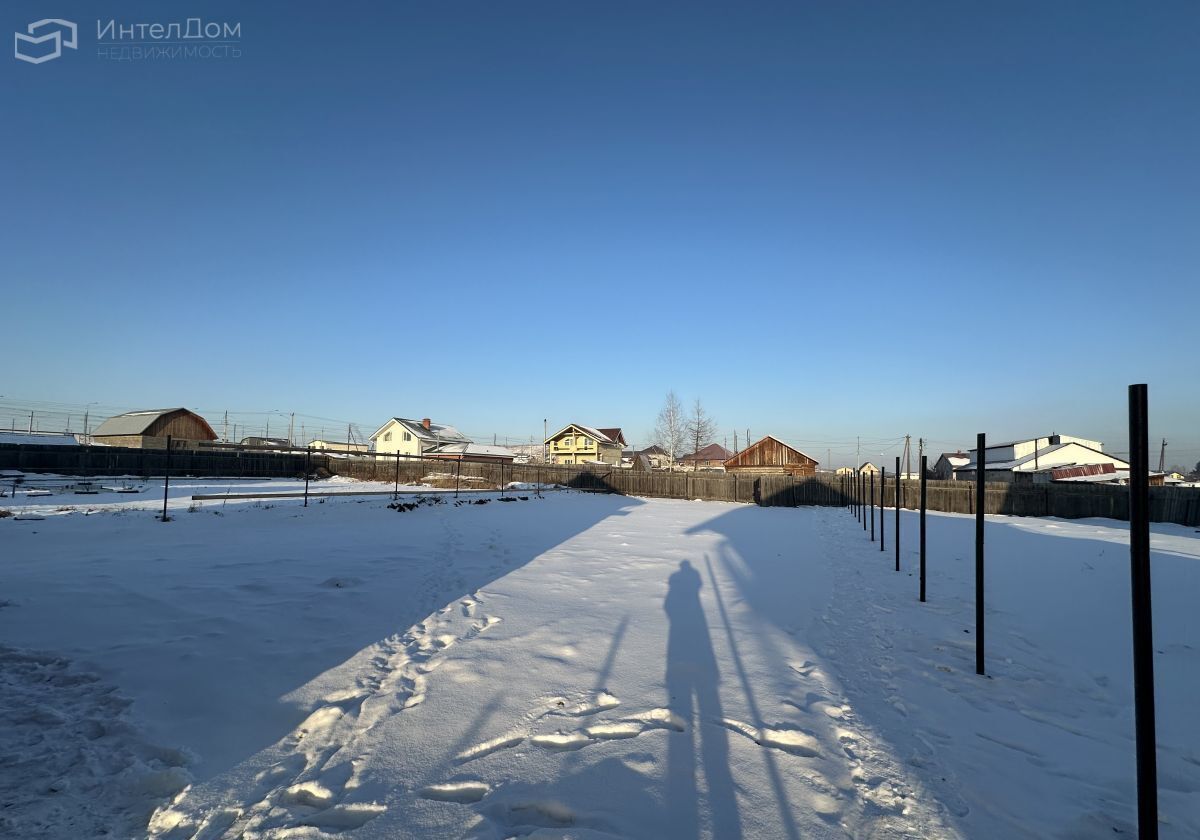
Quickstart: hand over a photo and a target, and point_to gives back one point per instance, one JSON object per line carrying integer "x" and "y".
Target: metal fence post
{"x": 924, "y": 467}
{"x": 457, "y": 476}
{"x": 882, "y": 490}
{"x": 1143, "y": 640}
{"x": 897, "y": 500}
{"x": 871, "y": 502}
{"x": 166, "y": 479}
{"x": 862, "y": 495}
{"x": 307, "y": 471}
{"x": 980, "y": 498}
{"x": 396, "y": 486}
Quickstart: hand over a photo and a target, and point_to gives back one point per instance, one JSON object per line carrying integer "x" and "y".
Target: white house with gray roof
{"x": 413, "y": 437}
{"x": 1019, "y": 460}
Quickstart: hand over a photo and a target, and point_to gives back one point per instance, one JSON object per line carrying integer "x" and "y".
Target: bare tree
{"x": 700, "y": 427}
{"x": 670, "y": 429}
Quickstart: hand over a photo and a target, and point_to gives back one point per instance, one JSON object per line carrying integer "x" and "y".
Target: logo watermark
{"x": 191, "y": 38}
{"x": 32, "y": 47}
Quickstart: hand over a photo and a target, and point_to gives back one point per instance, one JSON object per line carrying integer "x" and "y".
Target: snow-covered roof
{"x": 469, "y": 449}
{"x": 587, "y": 430}
{"x": 1033, "y": 457}
{"x": 435, "y": 432}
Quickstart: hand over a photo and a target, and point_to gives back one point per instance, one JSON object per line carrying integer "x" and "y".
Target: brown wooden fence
{"x": 1180, "y": 505}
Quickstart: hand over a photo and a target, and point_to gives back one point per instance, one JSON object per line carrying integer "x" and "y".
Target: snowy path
{"x": 585, "y": 666}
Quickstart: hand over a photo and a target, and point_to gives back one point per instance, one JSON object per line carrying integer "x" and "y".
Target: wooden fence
{"x": 148, "y": 463}
{"x": 1180, "y": 505}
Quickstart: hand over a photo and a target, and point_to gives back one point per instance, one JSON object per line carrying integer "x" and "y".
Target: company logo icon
{"x": 37, "y": 49}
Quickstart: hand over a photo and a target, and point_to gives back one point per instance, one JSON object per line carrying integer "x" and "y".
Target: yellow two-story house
{"x": 578, "y": 444}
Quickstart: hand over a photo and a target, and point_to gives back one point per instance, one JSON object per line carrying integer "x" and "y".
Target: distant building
{"x": 1018, "y": 461}
{"x": 150, "y": 429}
{"x": 771, "y": 456}
{"x": 414, "y": 437}
{"x": 338, "y": 446}
{"x": 265, "y": 443}
{"x": 576, "y": 444}
{"x": 655, "y": 455}
{"x": 712, "y": 456}
{"x": 869, "y": 469}
{"x": 947, "y": 463}
{"x": 1091, "y": 474}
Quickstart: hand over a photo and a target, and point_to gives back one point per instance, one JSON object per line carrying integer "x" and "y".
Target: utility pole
{"x": 1162, "y": 457}
{"x": 291, "y": 428}
{"x": 31, "y": 422}
{"x": 747, "y": 436}
{"x": 545, "y": 443}
{"x": 907, "y": 455}
{"x": 920, "y": 449}
{"x": 225, "y": 428}
{"x": 857, "y": 453}
{"x": 735, "y": 446}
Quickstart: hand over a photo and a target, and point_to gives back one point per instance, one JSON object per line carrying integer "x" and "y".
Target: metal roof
{"x": 132, "y": 422}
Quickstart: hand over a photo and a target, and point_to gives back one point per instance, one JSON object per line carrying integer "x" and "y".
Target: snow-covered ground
{"x": 573, "y": 666}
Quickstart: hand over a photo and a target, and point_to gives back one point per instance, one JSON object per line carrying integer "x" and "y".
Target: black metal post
{"x": 882, "y": 490}
{"x": 862, "y": 499}
{"x": 166, "y": 479}
{"x": 396, "y": 486}
{"x": 871, "y": 502}
{"x": 307, "y": 470}
{"x": 924, "y": 467}
{"x": 1143, "y": 640}
{"x": 457, "y": 475}
{"x": 980, "y": 498}
{"x": 897, "y": 513}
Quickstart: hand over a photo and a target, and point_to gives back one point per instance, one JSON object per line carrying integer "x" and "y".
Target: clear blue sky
{"x": 825, "y": 220}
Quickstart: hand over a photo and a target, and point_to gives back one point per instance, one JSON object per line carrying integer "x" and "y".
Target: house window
{"x": 407, "y": 437}
{"x": 387, "y": 436}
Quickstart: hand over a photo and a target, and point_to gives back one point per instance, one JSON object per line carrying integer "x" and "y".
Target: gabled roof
{"x": 759, "y": 443}
{"x": 435, "y": 432}
{"x": 712, "y": 452}
{"x": 599, "y": 435}
{"x": 614, "y": 435}
{"x": 137, "y": 422}
{"x": 955, "y": 458}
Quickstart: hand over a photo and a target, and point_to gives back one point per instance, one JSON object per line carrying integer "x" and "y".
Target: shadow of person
{"x": 691, "y": 680}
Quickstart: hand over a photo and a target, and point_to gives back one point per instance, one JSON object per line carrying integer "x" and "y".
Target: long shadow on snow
{"x": 1050, "y": 608}
{"x": 424, "y": 584}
